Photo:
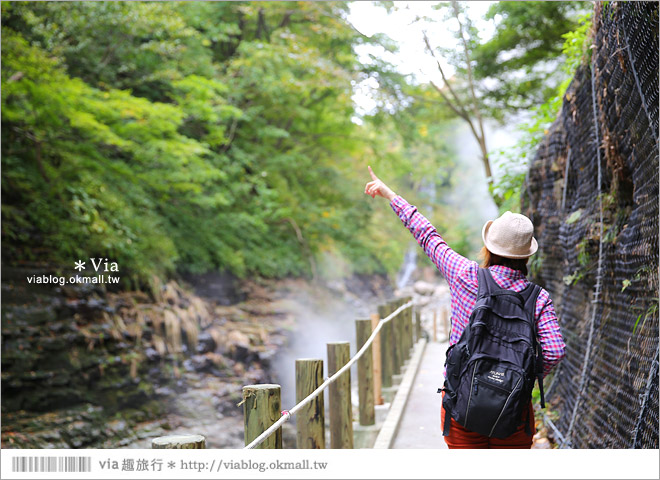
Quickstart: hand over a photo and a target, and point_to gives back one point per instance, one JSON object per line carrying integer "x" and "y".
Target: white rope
{"x": 286, "y": 414}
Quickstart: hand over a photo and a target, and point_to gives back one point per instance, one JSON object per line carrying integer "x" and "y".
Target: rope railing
{"x": 287, "y": 414}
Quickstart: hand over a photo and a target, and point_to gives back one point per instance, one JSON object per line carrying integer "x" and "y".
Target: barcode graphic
{"x": 51, "y": 464}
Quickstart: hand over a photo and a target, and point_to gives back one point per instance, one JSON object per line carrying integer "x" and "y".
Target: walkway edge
{"x": 391, "y": 423}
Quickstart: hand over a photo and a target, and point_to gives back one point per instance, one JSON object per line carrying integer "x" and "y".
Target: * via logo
{"x": 101, "y": 264}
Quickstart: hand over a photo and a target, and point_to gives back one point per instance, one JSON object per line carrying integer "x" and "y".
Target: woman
{"x": 508, "y": 243}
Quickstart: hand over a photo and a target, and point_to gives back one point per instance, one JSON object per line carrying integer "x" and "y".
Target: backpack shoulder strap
{"x": 494, "y": 290}
{"x": 487, "y": 285}
{"x": 531, "y": 294}
{"x": 530, "y": 308}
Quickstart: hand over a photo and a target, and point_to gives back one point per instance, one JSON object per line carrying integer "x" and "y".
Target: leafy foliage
{"x": 520, "y": 63}
{"x": 516, "y": 69}
{"x": 191, "y": 136}
{"x": 514, "y": 161}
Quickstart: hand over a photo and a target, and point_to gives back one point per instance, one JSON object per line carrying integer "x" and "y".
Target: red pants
{"x": 460, "y": 437}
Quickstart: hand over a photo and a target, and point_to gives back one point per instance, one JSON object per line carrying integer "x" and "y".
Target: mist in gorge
{"x": 323, "y": 313}
{"x": 469, "y": 197}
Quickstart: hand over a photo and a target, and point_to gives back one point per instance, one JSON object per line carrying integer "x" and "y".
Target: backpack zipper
{"x": 504, "y": 407}
{"x": 467, "y": 409}
{"x": 497, "y": 387}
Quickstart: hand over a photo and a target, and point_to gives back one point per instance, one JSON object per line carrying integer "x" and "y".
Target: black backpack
{"x": 492, "y": 368}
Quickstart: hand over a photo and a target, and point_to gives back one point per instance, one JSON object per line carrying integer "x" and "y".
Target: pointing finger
{"x": 373, "y": 175}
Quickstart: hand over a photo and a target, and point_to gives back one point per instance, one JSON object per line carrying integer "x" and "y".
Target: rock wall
{"x": 84, "y": 367}
{"x": 592, "y": 193}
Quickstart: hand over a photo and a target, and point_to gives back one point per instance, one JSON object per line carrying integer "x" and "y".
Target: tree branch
{"x": 444, "y": 77}
{"x": 261, "y": 25}
{"x": 459, "y": 107}
{"x": 232, "y": 132}
{"x": 286, "y": 19}
{"x": 460, "y": 112}
{"x": 475, "y": 105}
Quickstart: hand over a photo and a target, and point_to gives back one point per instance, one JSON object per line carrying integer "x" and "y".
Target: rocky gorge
{"x": 88, "y": 366}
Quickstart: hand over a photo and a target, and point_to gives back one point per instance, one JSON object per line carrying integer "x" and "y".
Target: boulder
{"x": 205, "y": 343}
{"x": 424, "y": 288}
{"x": 407, "y": 291}
{"x": 238, "y": 345}
{"x": 201, "y": 363}
{"x": 238, "y": 338}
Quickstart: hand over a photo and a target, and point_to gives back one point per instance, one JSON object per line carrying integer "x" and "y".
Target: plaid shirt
{"x": 461, "y": 275}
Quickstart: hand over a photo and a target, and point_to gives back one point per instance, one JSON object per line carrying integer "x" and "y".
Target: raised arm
{"x": 450, "y": 263}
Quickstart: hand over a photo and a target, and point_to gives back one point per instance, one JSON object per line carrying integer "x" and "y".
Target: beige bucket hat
{"x": 510, "y": 236}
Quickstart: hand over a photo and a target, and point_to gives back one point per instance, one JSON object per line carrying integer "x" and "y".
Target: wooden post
{"x": 179, "y": 441}
{"x": 386, "y": 347}
{"x": 412, "y": 322}
{"x": 409, "y": 329}
{"x": 447, "y": 320}
{"x": 262, "y": 408}
{"x": 413, "y": 326}
{"x": 405, "y": 341}
{"x": 404, "y": 332}
{"x": 310, "y": 421}
{"x": 365, "y": 374}
{"x": 435, "y": 325}
{"x": 418, "y": 324}
{"x": 375, "y": 349}
{"x": 341, "y": 409}
{"x": 396, "y": 339}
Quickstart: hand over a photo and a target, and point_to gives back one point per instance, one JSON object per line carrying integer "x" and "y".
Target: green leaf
{"x": 636, "y": 322}
{"x": 574, "y": 217}
{"x": 626, "y": 284}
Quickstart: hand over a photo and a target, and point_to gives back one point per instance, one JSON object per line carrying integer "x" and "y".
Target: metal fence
{"x": 592, "y": 193}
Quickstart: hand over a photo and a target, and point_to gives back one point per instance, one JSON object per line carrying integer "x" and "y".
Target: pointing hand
{"x": 378, "y": 187}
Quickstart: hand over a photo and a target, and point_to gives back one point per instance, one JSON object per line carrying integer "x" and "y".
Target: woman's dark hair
{"x": 490, "y": 259}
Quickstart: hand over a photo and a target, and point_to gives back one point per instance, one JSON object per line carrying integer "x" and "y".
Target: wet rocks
{"x": 209, "y": 363}
{"x": 82, "y": 426}
{"x": 205, "y": 343}
{"x": 83, "y": 367}
{"x": 151, "y": 354}
{"x": 238, "y": 345}
{"x": 220, "y": 288}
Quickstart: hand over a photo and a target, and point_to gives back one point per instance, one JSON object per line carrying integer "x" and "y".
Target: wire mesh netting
{"x": 592, "y": 193}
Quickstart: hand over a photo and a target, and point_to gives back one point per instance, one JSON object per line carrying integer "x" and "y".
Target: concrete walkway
{"x": 420, "y": 423}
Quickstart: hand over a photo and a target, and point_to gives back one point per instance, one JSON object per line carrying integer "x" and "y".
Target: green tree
{"x": 492, "y": 78}
{"x": 514, "y": 161}
{"x": 518, "y": 67}
{"x": 187, "y": 137}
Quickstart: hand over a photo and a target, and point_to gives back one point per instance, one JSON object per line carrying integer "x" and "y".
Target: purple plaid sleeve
{"x": 548, "y": 332}
{"x": 450, "y": 263}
